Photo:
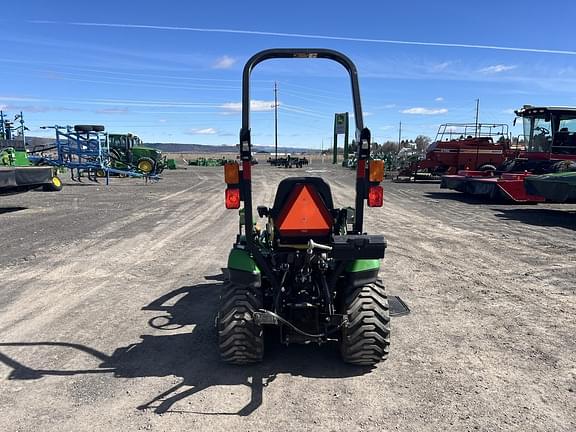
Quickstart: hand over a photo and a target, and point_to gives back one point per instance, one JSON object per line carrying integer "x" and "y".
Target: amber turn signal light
{"x": 232, "y": 173}
{"x": 376, "y": 168}
{"x": 375, "y": 196}
{"x": 232, "y": 198}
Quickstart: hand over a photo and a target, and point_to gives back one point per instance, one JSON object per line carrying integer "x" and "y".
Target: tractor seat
{"x": 303, "y": 209}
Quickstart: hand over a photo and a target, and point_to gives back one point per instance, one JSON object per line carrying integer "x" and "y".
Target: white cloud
{"x": 203, "y": 131}
{"x": 424, "y": 111}
{"x": 35, "y": 108}
{"x": 439, "y": 99}
{"x": 497, "y": 68}
{"x": 224, "y": 62}
{"x": 439, "y": 67}
{"x": 162, "y": 120}
{"x": 112, "y": 111}
{"x": 255, "y": 105}
{"x": 364, "y": 114}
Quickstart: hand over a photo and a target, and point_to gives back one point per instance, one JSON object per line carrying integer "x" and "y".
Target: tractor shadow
{"x": 4, "y": 210}
{"x": 83, "y": 183}
{"x": 473, "y": 199}
{"x": 418, "y": 182}
{"x": 192, "y": 356}
{"x": 541, "y": 217}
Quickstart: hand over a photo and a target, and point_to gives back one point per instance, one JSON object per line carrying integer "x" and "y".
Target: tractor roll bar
{"x": 296, "y": 53}
{"x": 362, "y": 134}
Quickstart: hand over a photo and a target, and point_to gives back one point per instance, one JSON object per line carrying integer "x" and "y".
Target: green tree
{"x": 422, "y": 141}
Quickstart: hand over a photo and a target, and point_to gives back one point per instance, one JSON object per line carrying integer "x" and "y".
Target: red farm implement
{"x": 550, "y": 138}
{"x": 467, "y": 146}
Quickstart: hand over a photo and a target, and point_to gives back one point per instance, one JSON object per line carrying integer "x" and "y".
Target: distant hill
{"x": 32, "y": 142}
{"x": 206, "y": 148}
{"x": 192, "y": 148}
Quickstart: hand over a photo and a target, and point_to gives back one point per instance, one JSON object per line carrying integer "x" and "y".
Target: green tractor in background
{"x": 127, "y": 151}
{"x": 209, "y": 162}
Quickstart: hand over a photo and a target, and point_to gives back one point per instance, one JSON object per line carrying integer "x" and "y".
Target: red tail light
{"x": 232, "y": 198}
{"x": 375, "y": 196}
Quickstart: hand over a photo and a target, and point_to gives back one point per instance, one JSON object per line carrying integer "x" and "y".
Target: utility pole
{"x": 476, "y": 122}
{"x": 21, "y": 129}
{"x": 400, "y": 136}
{"x": 2, "y": 133}
{"x": 276, "y": 122}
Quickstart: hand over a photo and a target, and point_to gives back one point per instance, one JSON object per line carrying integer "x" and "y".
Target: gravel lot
{"x": 108, "y": 296}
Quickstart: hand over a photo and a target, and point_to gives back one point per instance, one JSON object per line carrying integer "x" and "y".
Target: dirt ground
{"x": 108, "y": 297}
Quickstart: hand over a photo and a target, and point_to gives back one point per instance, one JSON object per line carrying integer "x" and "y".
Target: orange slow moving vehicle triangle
{"x": 304, "y": 214}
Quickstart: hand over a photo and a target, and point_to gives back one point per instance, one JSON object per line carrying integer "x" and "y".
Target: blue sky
{"x": 170, "y": 71}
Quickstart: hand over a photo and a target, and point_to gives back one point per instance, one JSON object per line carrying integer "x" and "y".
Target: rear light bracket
{"x": 353, "y": 246}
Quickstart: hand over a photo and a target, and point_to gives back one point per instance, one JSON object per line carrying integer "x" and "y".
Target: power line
{"x": 307, "y": 36}
{"x": 276, "y": 121}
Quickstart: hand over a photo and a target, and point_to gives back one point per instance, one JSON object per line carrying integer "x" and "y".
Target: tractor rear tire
{"x": 146, "y": 165}
{"x": 366, "y": 339}
{"x": 487, "y": 167}
{"x": 89, "y": 128}
{"x": 240, "y": 338}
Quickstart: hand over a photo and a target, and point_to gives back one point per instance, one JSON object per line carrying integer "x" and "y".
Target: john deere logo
{"x": 341, "y": 121}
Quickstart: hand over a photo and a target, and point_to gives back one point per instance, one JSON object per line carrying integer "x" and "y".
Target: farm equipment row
{"x": 87, "y": 149}
{"x": 288, "y": 161}
{"x": 550, "y": 150}
{"x": 208, "y": 162}
{"x": 484, "y": 160}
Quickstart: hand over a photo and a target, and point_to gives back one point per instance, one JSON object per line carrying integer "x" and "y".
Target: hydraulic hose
{"x": 296, "y": 329}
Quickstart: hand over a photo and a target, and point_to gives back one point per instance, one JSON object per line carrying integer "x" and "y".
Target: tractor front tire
{"x": 55, "y": 185}
{"x": 365, "y": 339}
{"x": 240, "y": 338}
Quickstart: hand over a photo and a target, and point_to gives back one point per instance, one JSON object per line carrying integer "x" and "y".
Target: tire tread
{"x": 365, "y": 340}
{"x": 240, "y": 339}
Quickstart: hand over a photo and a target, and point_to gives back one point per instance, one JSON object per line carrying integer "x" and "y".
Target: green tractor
{"x": 312, "y": 273}
{"x": 127, "y": 152}
{"x": 208, "y": 162}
